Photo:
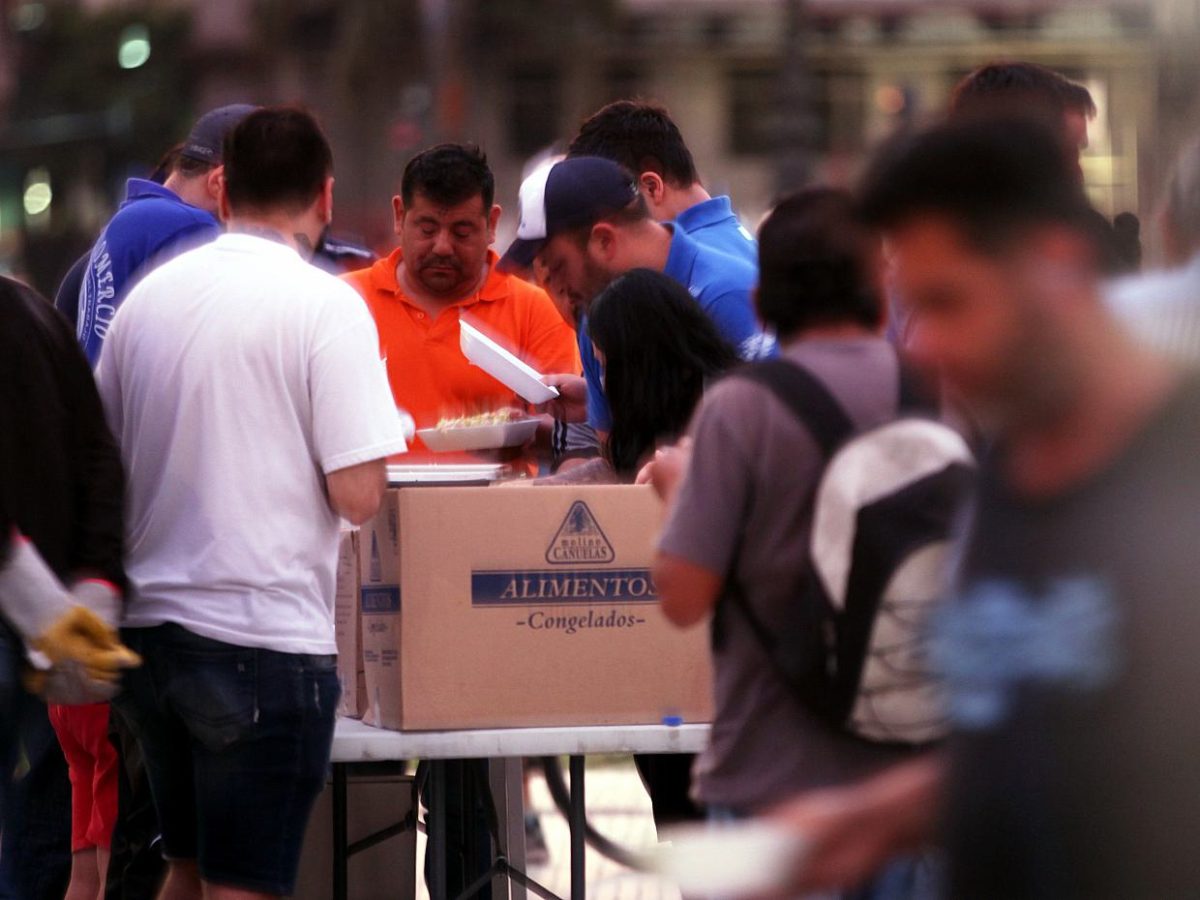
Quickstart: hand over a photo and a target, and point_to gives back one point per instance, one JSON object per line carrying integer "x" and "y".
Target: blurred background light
{"x": 890, "y": 100}
{"x": 134, "y": 47}
{"x": 29, "y": 16}
{"x": 38, "y": 194}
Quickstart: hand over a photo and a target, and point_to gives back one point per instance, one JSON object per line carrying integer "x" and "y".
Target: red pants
{"x": 92, "y": 764}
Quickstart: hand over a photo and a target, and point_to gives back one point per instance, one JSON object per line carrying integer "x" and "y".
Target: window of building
{"x": 535, "y": 108}
{"x": 758, "y": 117}
{"x": 621, "y": 82}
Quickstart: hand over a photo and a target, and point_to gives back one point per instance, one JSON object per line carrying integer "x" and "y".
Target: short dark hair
{"x": 449, "y": 174}
{"x": 993, "y": 177}
{"x": 640, "y": 136}
{"x": 1077, "y": 98}
{"x": 1010, "y": 86}
{"x": 276, "y": 158}
{"x": 818, "y": 264}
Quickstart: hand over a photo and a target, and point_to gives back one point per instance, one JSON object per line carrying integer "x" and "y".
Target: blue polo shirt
{"x": 714, "y": 224}
{"x": 723, "y": 285}
{"x": 151, "y": 226}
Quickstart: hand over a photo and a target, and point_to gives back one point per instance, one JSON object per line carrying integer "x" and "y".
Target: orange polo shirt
{"x": 429, "y": 375}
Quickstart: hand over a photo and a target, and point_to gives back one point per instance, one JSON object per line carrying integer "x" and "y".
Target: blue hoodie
{"x": 151, "y": 226}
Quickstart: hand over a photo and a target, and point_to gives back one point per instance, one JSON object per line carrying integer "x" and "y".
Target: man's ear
{"x": 653, "y": 188}
{"x": 397, "y": 213}
{"x": 223, "y": 212}
{"x": 325, "y": 210}
{"x": 214, "y": 183}
{"x": 492, "y": 221}
{"x": 602, "y": 241}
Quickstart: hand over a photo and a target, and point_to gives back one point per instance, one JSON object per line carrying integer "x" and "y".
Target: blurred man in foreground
{"x": 1069, "y": 652}
{"x": 245, "y": 391}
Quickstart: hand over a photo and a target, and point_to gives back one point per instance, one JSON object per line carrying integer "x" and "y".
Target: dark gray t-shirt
{"x": 1073, "y": 662}
{"x": 745, "y": 509}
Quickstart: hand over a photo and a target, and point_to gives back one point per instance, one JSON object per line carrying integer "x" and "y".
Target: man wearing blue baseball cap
{"x": 585, "y": 222}
{"x": 155, "y": 222}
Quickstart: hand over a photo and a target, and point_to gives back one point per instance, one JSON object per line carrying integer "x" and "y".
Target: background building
{"x": 93, "y": 90}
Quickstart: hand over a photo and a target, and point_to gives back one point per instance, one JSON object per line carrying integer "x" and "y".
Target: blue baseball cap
{"x": 207, "y": 138}
{"x": 572, "y": 193}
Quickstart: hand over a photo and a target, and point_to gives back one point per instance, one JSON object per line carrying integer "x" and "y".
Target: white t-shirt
{"x": 234, "y": 378}
{"x": 1162, "y": 309}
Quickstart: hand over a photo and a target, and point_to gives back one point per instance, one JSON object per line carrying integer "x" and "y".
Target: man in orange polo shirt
{"x": 446, "y": 220}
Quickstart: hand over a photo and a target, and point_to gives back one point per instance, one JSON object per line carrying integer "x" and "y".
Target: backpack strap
{"x": 915, "y": 396}
{"x": 808, "y": 399}
{"x": 813, "y": 405}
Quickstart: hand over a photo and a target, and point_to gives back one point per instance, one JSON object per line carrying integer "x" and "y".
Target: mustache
{"x": 451, "y": 262}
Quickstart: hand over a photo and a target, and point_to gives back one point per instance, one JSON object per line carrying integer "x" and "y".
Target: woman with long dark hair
{"x": 659, "y": 349}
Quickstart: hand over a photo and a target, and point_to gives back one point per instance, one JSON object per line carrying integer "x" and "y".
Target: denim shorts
{"x": 237, "y": 744}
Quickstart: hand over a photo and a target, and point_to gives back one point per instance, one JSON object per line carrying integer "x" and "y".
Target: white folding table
{"x": 354, "y": 742}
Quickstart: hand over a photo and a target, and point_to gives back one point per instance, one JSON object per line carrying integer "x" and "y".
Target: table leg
{"x": 340, "y": 836}
{"x": 578, "y": 824}
{"x": 436, "y": 846}
{"x": 506, "y": 778}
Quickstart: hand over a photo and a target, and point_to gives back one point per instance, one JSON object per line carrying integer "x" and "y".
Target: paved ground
{"x": 617, "y": 807}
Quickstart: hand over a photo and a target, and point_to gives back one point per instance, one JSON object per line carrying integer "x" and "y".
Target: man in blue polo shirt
{"x": 586, "y": 222}
{"x": 155, "y": 223}
{"x": 642, "y": 137}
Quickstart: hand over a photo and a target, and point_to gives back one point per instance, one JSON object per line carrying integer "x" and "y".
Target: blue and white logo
{"x": 998, "y": 637}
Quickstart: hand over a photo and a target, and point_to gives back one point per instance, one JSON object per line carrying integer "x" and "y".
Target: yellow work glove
{"x": 85, "y": 659}
{"x": 76, "y": 656}
{"x": 80, "y": 636}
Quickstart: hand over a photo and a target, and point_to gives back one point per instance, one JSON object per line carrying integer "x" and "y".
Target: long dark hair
{"x": 660, "y": 350}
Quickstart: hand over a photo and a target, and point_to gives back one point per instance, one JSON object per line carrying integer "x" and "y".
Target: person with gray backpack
{"x": 813, "y": 523}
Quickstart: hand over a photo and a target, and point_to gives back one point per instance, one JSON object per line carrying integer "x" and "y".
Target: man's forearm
{"x": 594, "y": 471}
{"x": 852, "y": 831}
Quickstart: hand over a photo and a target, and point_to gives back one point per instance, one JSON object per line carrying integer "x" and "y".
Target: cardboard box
{"x": 519, "y": 607}
{"x": 348, "y": 627}
{"x": 379, "y": 608}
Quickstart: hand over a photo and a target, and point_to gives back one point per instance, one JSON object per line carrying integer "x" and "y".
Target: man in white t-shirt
{"x": 245, "y": 389}
{"x": 1162, "y": 309}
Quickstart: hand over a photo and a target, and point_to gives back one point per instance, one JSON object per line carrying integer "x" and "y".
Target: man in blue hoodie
{"x": 155, "y": 223}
